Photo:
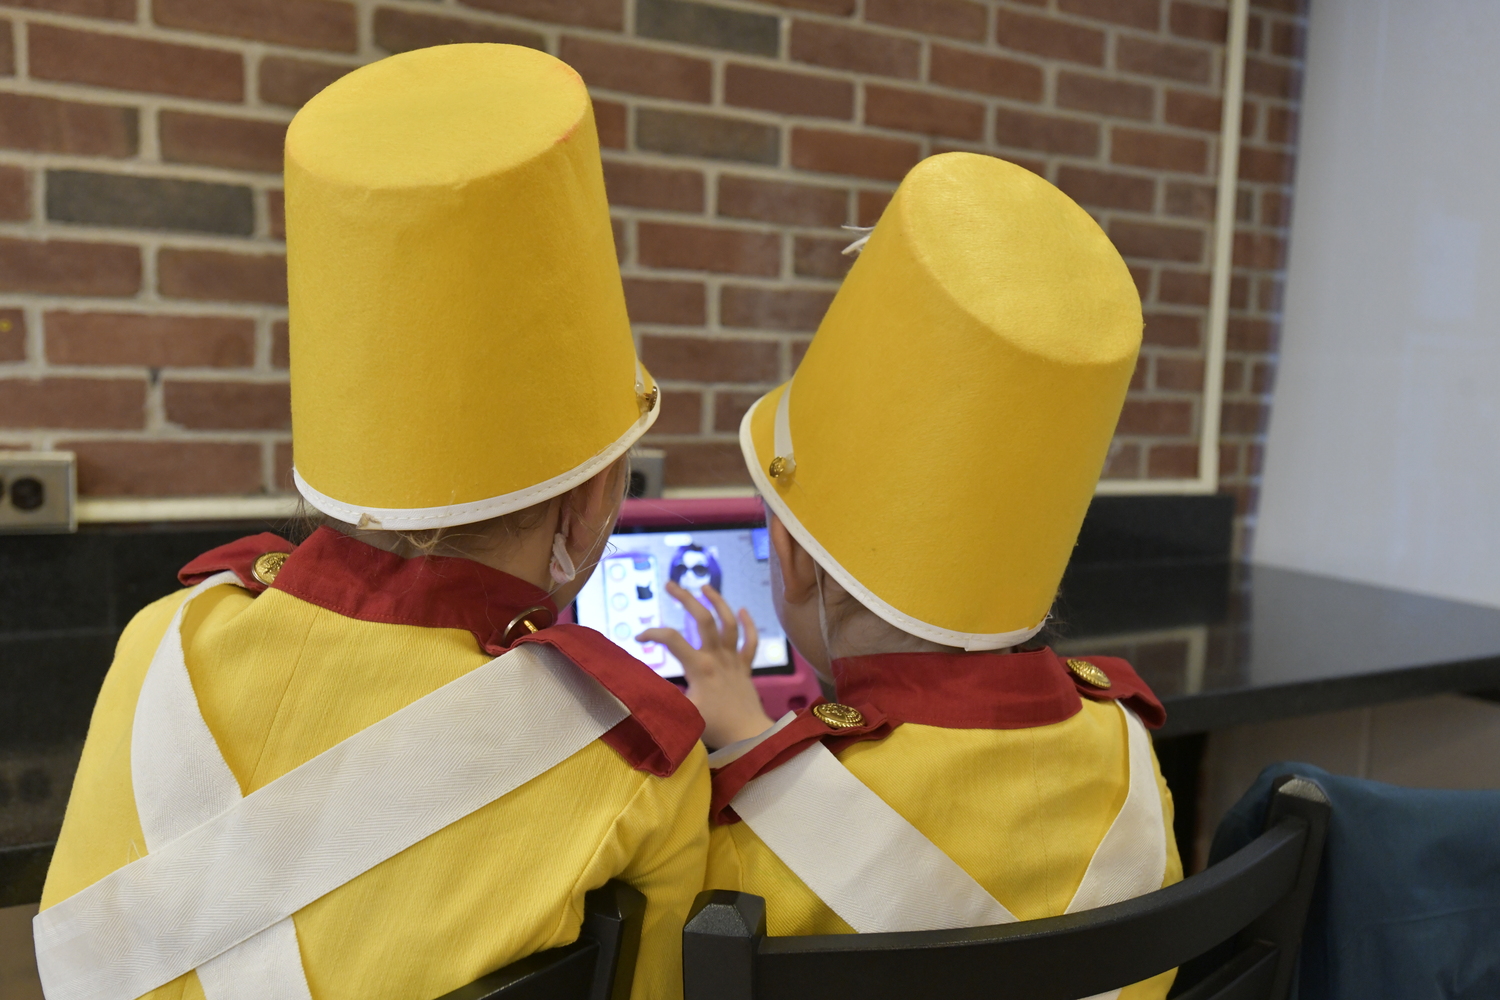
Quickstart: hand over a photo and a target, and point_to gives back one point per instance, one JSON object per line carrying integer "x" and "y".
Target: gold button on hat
{"x": 836, "y": 716}
{"x": 1089, "y": 673}
{"x": 267, "y": 565}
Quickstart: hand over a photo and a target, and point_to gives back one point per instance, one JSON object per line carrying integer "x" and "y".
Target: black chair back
{"x": 1253, "y": 905}
{"x": 600, "y": 965}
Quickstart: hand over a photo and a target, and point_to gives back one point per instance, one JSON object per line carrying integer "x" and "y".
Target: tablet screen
{"x": 625, "y": 594}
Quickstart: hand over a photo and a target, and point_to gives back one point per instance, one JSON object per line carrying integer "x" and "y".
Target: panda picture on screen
{"x": 627, "y": 595}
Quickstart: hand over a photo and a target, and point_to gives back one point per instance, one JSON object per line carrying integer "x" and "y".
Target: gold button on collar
{"x": 1089, "y": 673}
{"x": 836, "y": 716}
{"x": 267, "y": 565}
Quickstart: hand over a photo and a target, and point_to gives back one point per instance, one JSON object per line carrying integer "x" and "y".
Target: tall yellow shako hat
{"x": 459, "y": 342}
{"x": 939, "y": 444}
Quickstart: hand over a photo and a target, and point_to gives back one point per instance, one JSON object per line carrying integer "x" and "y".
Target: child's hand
{"x": 718, "y": 674}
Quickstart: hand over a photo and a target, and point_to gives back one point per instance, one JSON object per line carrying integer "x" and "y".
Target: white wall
{"x": 1383, "y": 458}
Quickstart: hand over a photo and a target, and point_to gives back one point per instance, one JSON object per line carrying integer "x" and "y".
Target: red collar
{"x": 947, "y": 690}
{"x": 350, "y": 578}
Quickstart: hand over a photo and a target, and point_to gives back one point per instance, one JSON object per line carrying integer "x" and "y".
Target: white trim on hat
{"x": 422, "y": 518}
{"x": 905, "y": 622}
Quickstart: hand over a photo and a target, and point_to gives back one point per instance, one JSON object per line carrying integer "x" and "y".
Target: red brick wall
{"x": 141, "y": 277}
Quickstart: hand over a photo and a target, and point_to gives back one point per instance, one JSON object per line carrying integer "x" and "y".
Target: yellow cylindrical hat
{"x": 939, "y": 444}
{"x": 459, "y": 342}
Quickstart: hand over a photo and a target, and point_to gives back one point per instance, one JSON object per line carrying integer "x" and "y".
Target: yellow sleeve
{"x": 661, "y": 839}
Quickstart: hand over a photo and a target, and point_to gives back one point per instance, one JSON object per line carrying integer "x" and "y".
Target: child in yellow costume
{"x": 926, "y": 473}
{"x": 370, "y": 766}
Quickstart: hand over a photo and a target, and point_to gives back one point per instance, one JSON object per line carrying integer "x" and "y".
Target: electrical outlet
{"x": 646, "y": 468}
{"x": 38, "y": 491}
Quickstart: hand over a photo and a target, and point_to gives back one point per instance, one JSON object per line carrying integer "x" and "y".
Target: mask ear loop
{"x": 561, "y": 567}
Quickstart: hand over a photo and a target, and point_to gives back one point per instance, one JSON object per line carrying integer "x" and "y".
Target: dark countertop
{"x": 1225, "y": 645}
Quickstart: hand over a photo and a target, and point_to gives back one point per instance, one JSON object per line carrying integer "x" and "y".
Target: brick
{"x": 67, "y": 267}
{"x": 817, "y": 257}
{"x": 1275, "y": 209}
{"x": 1244, "y": 418}
{"x": 788, "y": 93}
{"x": 799, "y": 350}
{"x": 677, "y": 303}
{"x": 1247, "y": 334}
{"x": 729, "y": 409}
{"x": 870, "y": 205}
{"x": 309, "y": 24}
{"x": 1047, "y": 133}
{"x": 1186, "y": 109}
{"x": 838, "y": 8}
{"x": 219, "y": 276}
{"x": 701, "y": 248}
{"x": 1164, "y": 59}
{"x": 1146, "y": 239}
{"x": 930, "y": 114}
{"x": 7, "y": 50}
{"x": 641, "y": 186}
{"x": 1043, "y": 36}
{"x": 708, "y": 26}
{"x": 1229, "y": 460}
{"x": 779, "y": 201}
{"x": 281, "y": 345}
{"x": 606, "y": 14}
{"x": 1191, "y": 20}
{"x": 152, "y": 340}
{"x": 88, "y": 57}
{"x": 984, "y": 74}
{"x": 281, "y": 460}
{"x": 1179, "y": 373}
{"x": 1271, "y": 166}
{"x": 853, "y": 154}
{"x": 1263, "y": 251}
{"x": 15, "y": 194}
{"x": 1124, "y": 461}
{"x": 276, "y": 214}
{"x": 136, "y": 202}
{"x": 166, "y": 468}
{"x": 1191, "y": 201}
{"x": 73, "y": 403}
{"x": 1263, "y": 377}
{"x": 1172, "y": 461}
{"x": 228, "y": 406}
{"x": 215, "y": 141}
{"x": 637, "y": 70}
{"x": 1288, "y": 39}
{"x": 953, "y": 18}
{"x": 399, "y": 30}
{"x": 1138, "y": 375}
{"x": 112, "y": 10}
{"x": 1141, "y": 276}
{"x": 1174, "y": 329}
{"x": 711, "y": 136}
{"x": 1145, "y": 14}
{"x": 789, "y": 309}
{"x": 681, "y": 412}
{"x": 1188, "y": 288}
{"x": 1281, "y": 125}
{"x": 707, "y": 463}
{"x": 1161, "y": 417}
{"x": 854, "y": 50}
{"x": 1105, "y": 96}
{"x": 45, "y": 125}
{"x": 1106, "y": 189}
{"x": 12, "y": 335}
{"x": 610, "y": 121}
{"x": 699, "y": 359}
{"x": 293, "y": 82}
{"x": 1254, "y": 32}
{"x": 1272, "y": 79}
{"x": 1159, "y": 150}
{"x": 618, "y": 229}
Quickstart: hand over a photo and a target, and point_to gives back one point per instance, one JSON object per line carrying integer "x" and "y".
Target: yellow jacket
{"x": 346, "y": 635}
{"x": 1004, "y": 761}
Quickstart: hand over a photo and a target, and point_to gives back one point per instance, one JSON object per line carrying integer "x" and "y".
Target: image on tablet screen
{"x": 626, "y": 594}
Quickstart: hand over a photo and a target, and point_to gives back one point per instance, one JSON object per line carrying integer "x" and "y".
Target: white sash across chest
{"x": 879, "y": 873}
{"x": 225, "y": 873}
